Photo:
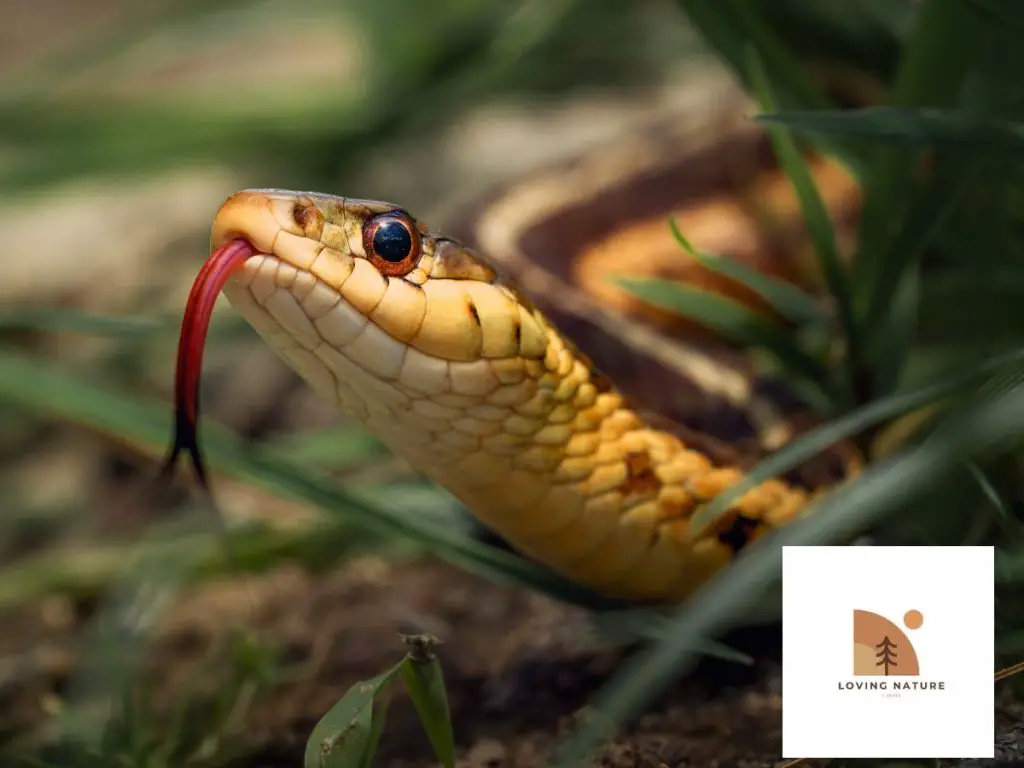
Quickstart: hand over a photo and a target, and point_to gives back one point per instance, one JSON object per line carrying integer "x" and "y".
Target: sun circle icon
{"x": 913, "y": 619}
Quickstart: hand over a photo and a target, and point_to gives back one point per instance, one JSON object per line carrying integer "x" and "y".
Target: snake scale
{"x": 446, "y": 357}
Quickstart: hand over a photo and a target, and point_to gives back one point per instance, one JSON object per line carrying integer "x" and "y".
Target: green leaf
{"x": 848, "y": 510}
{"x": 424, "y": 680}
{"x": 786, "y": 299}
{"x": 818, "y": 222}
{"x": 729, "y": 318}
{"x": 344, "y": 736}
{"x": 380, "y": 715}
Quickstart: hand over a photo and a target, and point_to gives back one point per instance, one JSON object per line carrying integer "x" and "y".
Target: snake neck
{"x": 545, "y": 451}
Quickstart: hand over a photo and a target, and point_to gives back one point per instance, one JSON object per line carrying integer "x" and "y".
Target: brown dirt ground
{"x": 518, "y": 667}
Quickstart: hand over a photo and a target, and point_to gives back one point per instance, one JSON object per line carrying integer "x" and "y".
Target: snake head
{"x": 391, "y": 322}
{"x": 370, "y": 282}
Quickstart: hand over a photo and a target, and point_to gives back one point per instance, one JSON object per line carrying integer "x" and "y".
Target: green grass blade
{"x": 993, "y": 496}
{"x": 972, "y": 306}
{"x": 332, "y": 448}
{"x": 729, "y": 318}
{"x": 892, "y": 314}
{"x": 786, "y": 299}
{"x": 891, "y": 348}
{"x": 45, "y": 319}
{"x": 148, "y": 427}
{"x": 342, "y": 736}
{"x": 1009, "y": 567}
{"x": 995, "y": 12}
{"x": 914, "y": 128}
{"x": 731, "y": 26}
{"x": 89, "y": 572}
{"x": 938, "y": 57}
{"x": 927, "y": 212}
{"x": 847, "y": 511}
{"x": 877, "y": 412}
{"x": 642, "y": 624}
{"x": 424, "y": 681}
{"x": 816, "y": 219}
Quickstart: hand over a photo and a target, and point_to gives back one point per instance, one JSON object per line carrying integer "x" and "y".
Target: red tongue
{"x": 194, "y": 325}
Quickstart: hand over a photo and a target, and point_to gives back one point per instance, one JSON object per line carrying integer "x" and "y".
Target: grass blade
{"x": 734, "y": 321}
{"x": 342, "y": 737}
{"x": 936, "y": 61}
{"x": 44, "y": 319}
{"x": 926, "y": 215}
{"x": 424, "y": 681}
{"x": 641, "y": 624}
{"x": 993, "y": 12}
{"x": 786, "y": 299}
{"x": 731, "y": 26}
{"x": 914, "y": 128}
{"x": 332, "y": 448}
{"x": 147, "y": 427}
{"x": 814, "y": 441}
{"x": 890, "y": 352}
{"x": 846, "y": 512}
{"x": 972, "y": 307}
{"x": 994, "y": 497}
{"x": 819, "y": 224}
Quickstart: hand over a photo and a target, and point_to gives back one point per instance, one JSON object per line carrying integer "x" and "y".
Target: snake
{"x": 585, "y": 430}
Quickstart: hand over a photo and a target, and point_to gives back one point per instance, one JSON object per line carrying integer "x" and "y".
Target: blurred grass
{"x": 937, "y": 272}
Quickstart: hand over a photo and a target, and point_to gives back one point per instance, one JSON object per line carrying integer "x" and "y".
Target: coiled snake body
{"x": 454, "y": 368}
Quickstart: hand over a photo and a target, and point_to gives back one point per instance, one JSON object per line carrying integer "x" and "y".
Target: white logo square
{"x": 888, "y": 652}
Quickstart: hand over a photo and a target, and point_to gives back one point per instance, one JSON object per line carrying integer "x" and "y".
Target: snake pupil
{"x": 392, "y": 241}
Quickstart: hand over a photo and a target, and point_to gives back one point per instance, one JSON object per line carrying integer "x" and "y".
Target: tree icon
{"x": 886, "y": 655}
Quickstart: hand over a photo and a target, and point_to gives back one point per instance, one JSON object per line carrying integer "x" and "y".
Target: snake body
{"x": 455, "y": 369}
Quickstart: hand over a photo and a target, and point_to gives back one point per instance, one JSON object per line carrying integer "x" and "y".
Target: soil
{"x": 519, "y": 669}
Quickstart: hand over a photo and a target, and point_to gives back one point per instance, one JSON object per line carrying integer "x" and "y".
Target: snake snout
{"x": 259, "y": 216}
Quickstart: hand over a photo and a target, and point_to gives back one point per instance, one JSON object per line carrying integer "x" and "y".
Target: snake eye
{"x": 392, "y": 243}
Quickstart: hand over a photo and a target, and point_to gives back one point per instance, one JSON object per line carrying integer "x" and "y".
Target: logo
{"x": 874, "y": 633}
{"x": 883, "y": 649}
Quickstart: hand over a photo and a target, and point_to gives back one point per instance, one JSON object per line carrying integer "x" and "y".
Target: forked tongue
{"x": 191, "y": 342}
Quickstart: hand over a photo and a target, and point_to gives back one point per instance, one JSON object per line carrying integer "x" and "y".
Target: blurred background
{"x": 123, "y": 126}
